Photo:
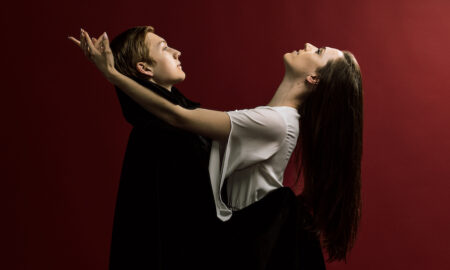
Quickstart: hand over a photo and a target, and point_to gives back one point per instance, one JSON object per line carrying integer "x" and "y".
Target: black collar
{"x": 174, "y": 96}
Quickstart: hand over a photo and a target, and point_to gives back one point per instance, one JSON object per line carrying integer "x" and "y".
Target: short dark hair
{"x": 129, "y": 48}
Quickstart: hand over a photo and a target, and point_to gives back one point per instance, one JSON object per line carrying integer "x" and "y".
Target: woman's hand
{"x": 212, "y": 124}
{"x": 98, "y": 52}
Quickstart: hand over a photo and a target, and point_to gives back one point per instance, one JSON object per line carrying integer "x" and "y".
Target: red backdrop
{"x": 64, "y": 136}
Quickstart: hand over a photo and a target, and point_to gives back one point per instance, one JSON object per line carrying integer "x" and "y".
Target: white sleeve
{"x": 255, "y": 136}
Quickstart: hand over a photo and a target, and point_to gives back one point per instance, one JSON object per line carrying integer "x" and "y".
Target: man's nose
{"x": 176, "y": 53}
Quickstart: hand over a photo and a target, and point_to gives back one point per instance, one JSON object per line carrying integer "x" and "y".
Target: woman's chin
{"x": 286, "y": 61}
{"x": 287, "y": 58}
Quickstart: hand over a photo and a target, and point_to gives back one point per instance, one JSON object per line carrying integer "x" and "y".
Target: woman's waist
{"x": 243, "y": 190}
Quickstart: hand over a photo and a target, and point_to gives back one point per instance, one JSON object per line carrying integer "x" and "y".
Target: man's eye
{"x": 318, "y": 51}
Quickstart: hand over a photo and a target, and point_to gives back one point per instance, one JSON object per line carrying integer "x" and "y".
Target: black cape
{"x": 165, "y": 216}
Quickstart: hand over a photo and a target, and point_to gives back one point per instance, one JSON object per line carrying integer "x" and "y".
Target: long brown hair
{"x": 330, "y": 151}
{"x": 129, "y": 48}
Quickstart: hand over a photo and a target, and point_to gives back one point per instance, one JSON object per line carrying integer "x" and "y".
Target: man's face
{"x": 167, "y": 66}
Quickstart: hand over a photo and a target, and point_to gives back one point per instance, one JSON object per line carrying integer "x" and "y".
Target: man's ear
{"x": 312, "y": 79}
{"x": 144, "y": 68}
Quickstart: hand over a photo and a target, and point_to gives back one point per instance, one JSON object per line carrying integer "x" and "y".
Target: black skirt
{"x": 271, "y": 234}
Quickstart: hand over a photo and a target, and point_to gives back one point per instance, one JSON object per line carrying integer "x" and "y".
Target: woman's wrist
{"x": 112, "y": 75}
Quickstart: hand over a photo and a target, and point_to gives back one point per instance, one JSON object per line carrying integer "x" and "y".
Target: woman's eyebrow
{"x": 161, "y": 42}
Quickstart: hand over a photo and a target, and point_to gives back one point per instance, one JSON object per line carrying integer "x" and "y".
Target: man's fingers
{"x": 76, "y": 41}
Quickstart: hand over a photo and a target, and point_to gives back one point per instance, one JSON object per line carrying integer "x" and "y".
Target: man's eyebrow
{"x": 322, "y": 50}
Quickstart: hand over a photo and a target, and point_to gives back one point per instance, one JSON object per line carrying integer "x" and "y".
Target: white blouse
{"x": 255, "y": 156}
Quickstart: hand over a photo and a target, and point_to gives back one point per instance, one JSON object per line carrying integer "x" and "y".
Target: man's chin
{"x": 182, "y": 77}
{"x": 179, "y": 80}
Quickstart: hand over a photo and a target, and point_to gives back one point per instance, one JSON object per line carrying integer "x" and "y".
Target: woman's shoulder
{"x": 267, "y": 110}
{"x": 262, "y": 116}
{"x": 262, "y": 123}
{"x": 286, "y": 111}
{"x": 277, "y": 117}
{"x": 279, "y": 114}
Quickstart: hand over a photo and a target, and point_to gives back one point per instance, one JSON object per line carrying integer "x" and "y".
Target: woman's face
{"x": 167, "y": 66}
{"x": 303, "y": 63}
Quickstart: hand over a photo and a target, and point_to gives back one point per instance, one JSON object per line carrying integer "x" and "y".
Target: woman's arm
{"x": 208, "y": 123}
{"x": 212, "y": 124}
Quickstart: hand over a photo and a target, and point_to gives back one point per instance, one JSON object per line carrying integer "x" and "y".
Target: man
{"x": 165, "y": 216}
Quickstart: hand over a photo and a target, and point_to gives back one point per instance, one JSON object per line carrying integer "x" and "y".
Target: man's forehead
{"x": 154, "y": 39}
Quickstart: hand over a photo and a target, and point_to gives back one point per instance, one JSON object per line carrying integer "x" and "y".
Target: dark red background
{"x": 64, "y": 137}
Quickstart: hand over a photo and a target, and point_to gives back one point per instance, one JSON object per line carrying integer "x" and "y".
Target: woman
{"x": 252, "y": 147}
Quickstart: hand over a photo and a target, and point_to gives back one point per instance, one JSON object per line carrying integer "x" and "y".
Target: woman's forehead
{"x": 332, "y": 53}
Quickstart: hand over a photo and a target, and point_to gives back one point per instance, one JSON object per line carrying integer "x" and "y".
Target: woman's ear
{"x": 144, "y": 68}
{"x": 312, "y": 79}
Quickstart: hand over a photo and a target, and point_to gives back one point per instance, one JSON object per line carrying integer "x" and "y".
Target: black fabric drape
{"x": 272, "y": 234}
{"x": 165, "y": 216}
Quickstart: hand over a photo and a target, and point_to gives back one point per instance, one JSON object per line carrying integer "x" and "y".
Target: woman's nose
{"x": 309, "y": 46}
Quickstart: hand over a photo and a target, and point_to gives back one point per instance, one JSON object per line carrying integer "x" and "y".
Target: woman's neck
{"x": 289, "y": 93}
